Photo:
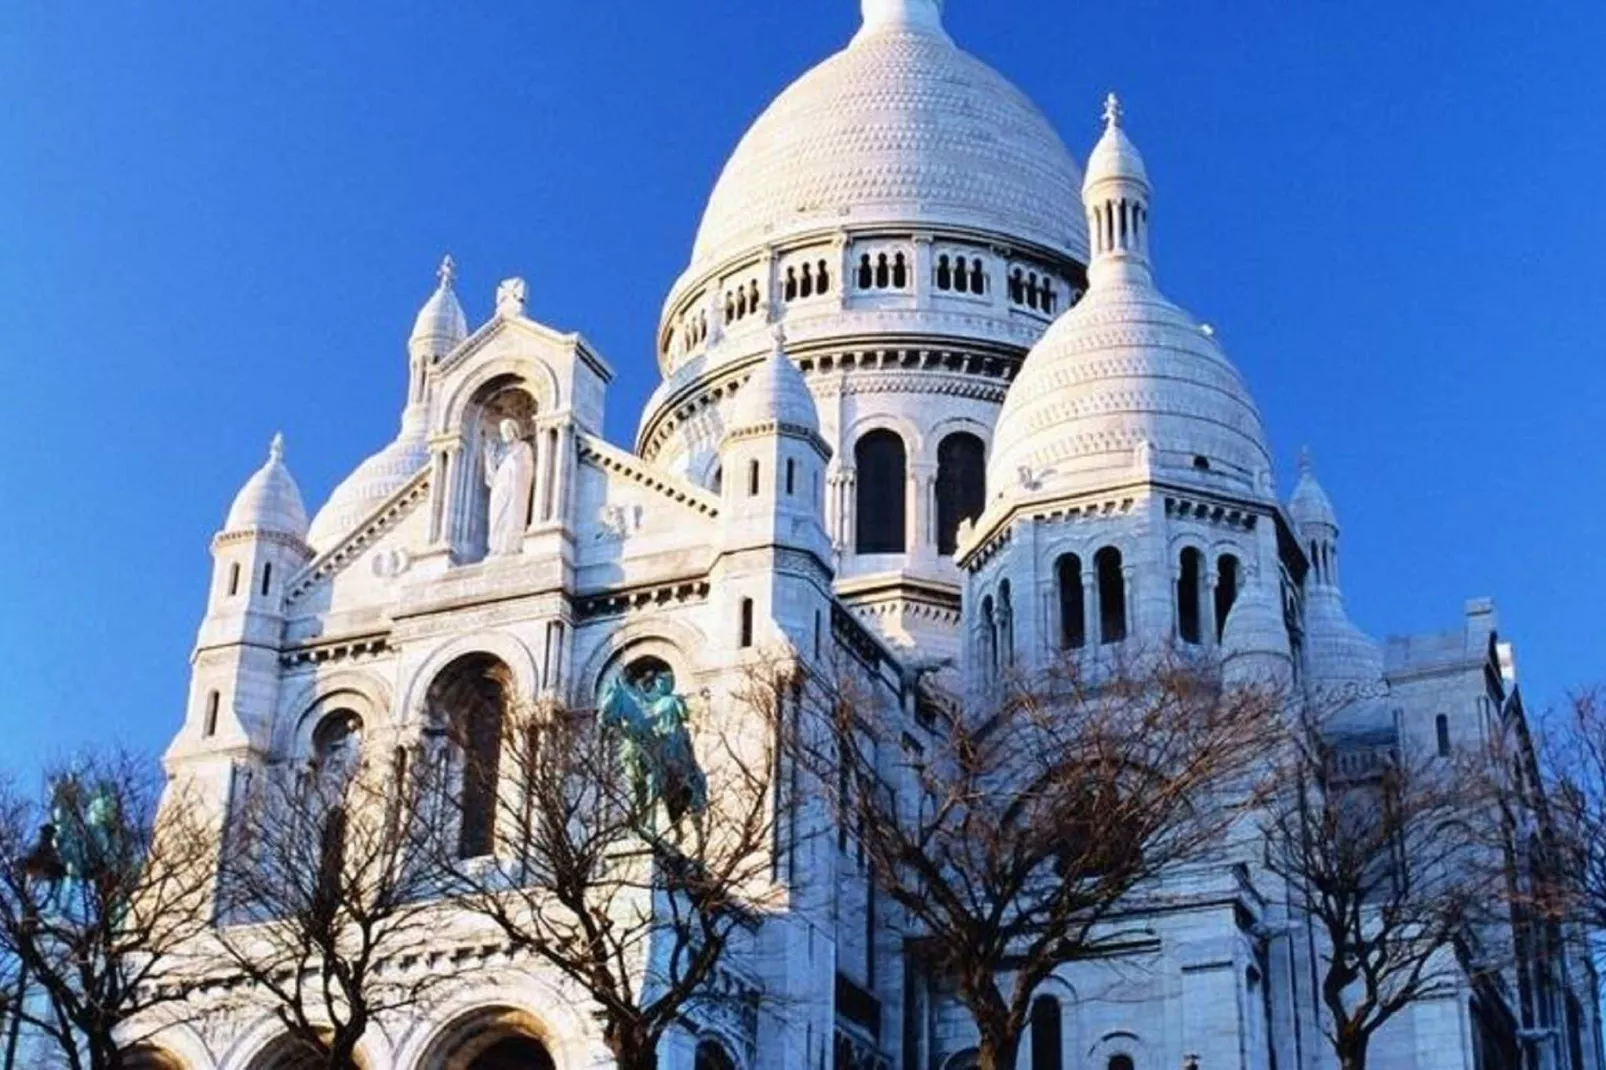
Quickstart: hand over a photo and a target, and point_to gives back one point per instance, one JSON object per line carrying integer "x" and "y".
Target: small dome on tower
{"x": 441, "y": 324}
{"x": 270, "y": 499}
{"x": 1255, "y": 624}
{"x": 775, "y": 394}
{"x": 1125, "y": 373}
{"x": 1310, "y": 504}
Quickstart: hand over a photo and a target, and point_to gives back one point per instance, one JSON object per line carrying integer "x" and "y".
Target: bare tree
{"x": 103, "y": 888}
{"x": 628, "y": 875}
{"x": 1568, "y": 824}
{"x": 325, "y": 889}
{"x": 1388, "y": 856}
{"x": 1036, "y": 812}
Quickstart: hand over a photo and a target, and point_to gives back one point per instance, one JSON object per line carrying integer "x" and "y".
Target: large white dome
{"x": 900, "y": 127}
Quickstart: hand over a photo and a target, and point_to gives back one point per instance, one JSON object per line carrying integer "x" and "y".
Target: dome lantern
{"x": 923, "y": 15}
{"x": 1116, "y": 193}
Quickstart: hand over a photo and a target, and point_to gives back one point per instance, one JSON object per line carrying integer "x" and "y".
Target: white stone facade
{"x": 916, "y": 399}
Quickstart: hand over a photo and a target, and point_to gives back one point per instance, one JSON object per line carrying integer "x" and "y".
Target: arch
{"x": 661, "y": 638}
{"x": 277, "y": 1050}
{"x": 1111, "y": 578}
{"x": 1441, "y": 734}
{"x": 364, "y": 694}
{"x": 1228, "y": 577}
{"x": 978, "y": 277}
{"x": 496, "y": 1037}
{"x": 882, "y": 463}
{"x": 1115, "y": 1045}
{"x": 945, "y": 273}
{"x": 150, "y": 1057}
{"x": 471, "y": 699}
{"x": 510, "y": 370}
{"x": 1048, "y": 1031}
{"x": 712, "y": 1054}
{"x": 1190, "y": 581}
{"x": 506, "y": 648}
{"x": 1072, "y": 602}
{"x": 961, "y": 485}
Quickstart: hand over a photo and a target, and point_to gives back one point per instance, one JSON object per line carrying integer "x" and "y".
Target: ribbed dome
{"x": 1125, "y": 374}
{"x": 1123, "y": 368}
{"x": 441, "y": 324}
{"x": 775, "y": 393}
{"x": 374, "y": 480}
{"x": 1310, "y": 504}
{"x": 270, "y": 499}
{"x": 902, "y": 126}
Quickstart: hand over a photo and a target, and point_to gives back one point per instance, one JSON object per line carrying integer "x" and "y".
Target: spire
{"x": 1117, "y": 193}
{"x": 921, "y": 15}
{"x": 276, "y": 447}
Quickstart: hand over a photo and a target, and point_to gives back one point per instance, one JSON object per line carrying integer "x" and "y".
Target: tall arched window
{"x": 209, "y": 727}
{"x": 335, "y": 746}
{"x": 1189, "y": 578}
{"x": 267, "y": 577}
{"x": 1073, "y": 605}
{"x": 1441, "y": 731}
{"x": 989, "y": 637}
{"x": 882, "y": 467}
{"x": 1047, "y": 1052}
{"x": 1112, "y": 595}
{"x": 961, "y": 485}
{"x": 1226, "y": 590}
{"x": 1006, "y": 626}
{"x": 469, "y": 700}
{"x": 234, "y": 579}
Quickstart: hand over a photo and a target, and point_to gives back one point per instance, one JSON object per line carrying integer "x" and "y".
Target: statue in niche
{"x": 510, "y": 472}
{"x": 655, "y": 744}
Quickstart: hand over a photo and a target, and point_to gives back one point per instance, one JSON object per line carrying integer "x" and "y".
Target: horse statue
{"x": 655, "y": 744}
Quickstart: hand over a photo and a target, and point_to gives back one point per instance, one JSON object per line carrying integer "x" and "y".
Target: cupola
{"x": 775, "y": 394}
{"x": 441, "y": 325}
{"x": 270, "y": 501}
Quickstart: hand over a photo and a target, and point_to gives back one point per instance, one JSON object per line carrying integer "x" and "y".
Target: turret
{"x": 1338, "y": 655}
{"x": 773, "y": 484}
{"x": 262, "y": 545}
{"x": 439, "y": 329}
{"x": 1254, "y": 643}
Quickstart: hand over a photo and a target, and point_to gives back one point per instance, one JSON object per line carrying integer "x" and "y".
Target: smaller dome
{"x": 1114, "y": 157}
{"x": 441, "y": 324}
{"x": 1338, "y": 655}
{"x": 360, "y": 493}
{"x": 270, "y": 499}
{"x": 775, "y": 394}
{"x": 1310, "y": 504}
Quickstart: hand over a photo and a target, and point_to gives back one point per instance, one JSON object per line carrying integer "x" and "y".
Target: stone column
{"x": 922, "y": 271}
{"x": 918, "y": 528}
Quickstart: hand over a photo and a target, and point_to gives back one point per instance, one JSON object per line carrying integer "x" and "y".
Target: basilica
{"x": 921, "y": 400}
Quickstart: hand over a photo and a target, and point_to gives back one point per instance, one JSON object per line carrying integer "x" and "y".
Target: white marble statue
{"x": 510, "y": 471}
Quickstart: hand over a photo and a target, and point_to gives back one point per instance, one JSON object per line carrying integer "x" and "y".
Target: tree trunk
{"x": 632, "y": 1052}
{"x": 1352, "y": 1055}
{"x": 997, "y": 1053}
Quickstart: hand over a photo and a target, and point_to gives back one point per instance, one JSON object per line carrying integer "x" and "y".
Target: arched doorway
{"x": 494, "y": 1038}
{"x": 148, "y": 1057}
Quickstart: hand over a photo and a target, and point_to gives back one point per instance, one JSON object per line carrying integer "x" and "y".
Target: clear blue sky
{"x": 217, "y": 221}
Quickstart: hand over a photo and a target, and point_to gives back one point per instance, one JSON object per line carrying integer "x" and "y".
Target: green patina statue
{"x": 651, "y": 720}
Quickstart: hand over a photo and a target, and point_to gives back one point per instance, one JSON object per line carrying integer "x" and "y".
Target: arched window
{"x": 1047, "y": 1052}
{"x": 1050, "y": 298}
{"x": 267, "y": 576}
{"x": 711, "y": 1056}
{"x": 883, "y": 272}
{"x": 209, "y": 725}
{"x": 900, "y": 272}
{"x": 234, "y": 579}
{"x": 961, "y": 486}
{"x": 1073, "y": 606}
{"x": 945, "y": 274}
{"x": 1441, "y": 729}
{"x": 1119, "y": 1062}
{"x": 882, "y": 468}
{"x": 335, "y": 745}
{"x": 791, "y": 282}
{"x": 1226, "y": 590}
{"x": 823, "y": 278}
{"x": 469, "y": 700}
{"x": 752, "y": 297}
{"x": 1112, "y": 595}
{"x": 752, "y": 479}
{"x": 747, "y": 623}
{"x": 989, "y": 637}
{"x": 1189, "y": 577}
{"x": 807, "y": 287}
{"x": 1017, "y": 287}
{"x": 978, "y": 281}
{"x": 1006, "y": 626}
{"x": 866, "y": 274}
{"x": 791, "y": 475}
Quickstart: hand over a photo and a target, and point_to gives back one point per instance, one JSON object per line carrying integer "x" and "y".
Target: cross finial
{"x": 447, "y": 272}
{"x": 1304, "y": 460}
{"x": 1112, "y": 110}
{"x": 276, "y": 447}
{"x": 778, "y": 335}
